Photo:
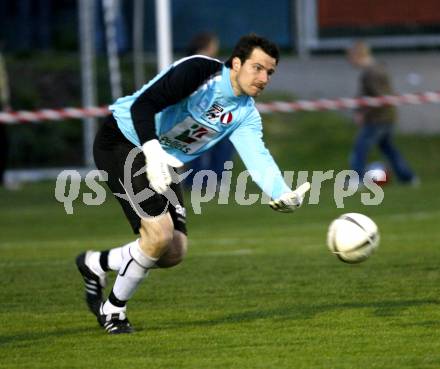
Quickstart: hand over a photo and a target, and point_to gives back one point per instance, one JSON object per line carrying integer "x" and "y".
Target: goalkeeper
{"x": 178, "y": 115}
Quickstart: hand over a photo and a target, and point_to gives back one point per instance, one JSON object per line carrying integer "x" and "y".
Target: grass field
{"x": 258, "y": 289}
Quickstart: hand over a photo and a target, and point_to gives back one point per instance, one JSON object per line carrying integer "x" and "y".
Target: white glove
{"x": 157, "y": 165}
{"x": 290, "y": 201}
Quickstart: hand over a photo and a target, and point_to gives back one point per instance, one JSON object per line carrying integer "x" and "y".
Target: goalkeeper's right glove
{"x": 290, "y": 201}
{"x": 158, "y": 160}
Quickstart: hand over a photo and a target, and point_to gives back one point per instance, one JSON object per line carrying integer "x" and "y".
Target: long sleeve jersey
{"x": 375, "y": 81}
{"x": 191, "y": 106}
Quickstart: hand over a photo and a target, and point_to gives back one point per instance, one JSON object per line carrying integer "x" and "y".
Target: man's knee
{"x": 156, "y": 234}
{"x": 175, "y": 252}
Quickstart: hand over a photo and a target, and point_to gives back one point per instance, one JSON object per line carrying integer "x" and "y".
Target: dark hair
{"x": 200, "y": 42}
{"x": 244, "y": 47}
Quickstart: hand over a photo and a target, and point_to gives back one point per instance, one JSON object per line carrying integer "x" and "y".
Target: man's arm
{"x": 176, "y": 84}
{"x": 247, "y": 140}
{"x": 290, "y": 201}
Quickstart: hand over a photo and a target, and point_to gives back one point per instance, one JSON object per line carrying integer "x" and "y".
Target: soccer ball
{"x": 378, "y": 173}
{"x": 353, "y": 237}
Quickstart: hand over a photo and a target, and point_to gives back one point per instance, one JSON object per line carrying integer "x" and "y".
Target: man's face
{"x": 359, "y": 55}
{"x": 251, "y": 77}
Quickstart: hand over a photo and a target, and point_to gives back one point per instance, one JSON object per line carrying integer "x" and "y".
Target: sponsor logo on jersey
{"x": 188, "y": 136}
{"x": 193, "y": 134}
{"x": 214, "y": 112}
{"x": 226, "y": 118}
{"x": 169, "y": 142}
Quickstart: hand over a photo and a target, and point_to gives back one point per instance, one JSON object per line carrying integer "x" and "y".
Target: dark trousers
{"x": 381, "y": 135}
{"x": 3, "y": 152}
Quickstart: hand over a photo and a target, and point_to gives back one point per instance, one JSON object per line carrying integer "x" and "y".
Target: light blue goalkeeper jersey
{"x": 209, "y": 114}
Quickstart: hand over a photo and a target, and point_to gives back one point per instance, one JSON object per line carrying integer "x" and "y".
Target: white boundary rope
{"x": 430, "y": 97}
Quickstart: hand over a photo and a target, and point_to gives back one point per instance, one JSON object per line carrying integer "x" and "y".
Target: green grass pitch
{"x": 258, "y": 289}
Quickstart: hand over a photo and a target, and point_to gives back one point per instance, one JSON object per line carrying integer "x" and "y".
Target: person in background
{"x": 207, "y": 44}
{"x": 5, "y": 106}
{"x": 376, "y": 124}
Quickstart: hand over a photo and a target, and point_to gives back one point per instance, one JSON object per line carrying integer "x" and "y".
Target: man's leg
{"x": 175, "y": 252}
{"x": 93, "y": 265}
{"x": 362, "y": 146}
{"x": 101, "y": 262}
{"x": 134, "y": 264}
{"x": 156, "y": 233}
{"x": 398, "y": 163}
{"x": 3, "y": 152}
{"x": 157, "y": 229}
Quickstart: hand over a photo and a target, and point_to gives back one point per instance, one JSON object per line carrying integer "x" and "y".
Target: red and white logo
{"x": 226, "y": 118}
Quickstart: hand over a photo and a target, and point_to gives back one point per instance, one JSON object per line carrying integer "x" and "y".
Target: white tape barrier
{"x": 16, "y": 117}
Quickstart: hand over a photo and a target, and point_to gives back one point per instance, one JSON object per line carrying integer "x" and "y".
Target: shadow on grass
{"x": 300, "y": 312}
{"x": 294, "y": 312}
{"x": 31, "y": 337}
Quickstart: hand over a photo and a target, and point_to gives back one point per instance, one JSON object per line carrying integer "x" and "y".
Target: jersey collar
{"x": 226, "y": 85}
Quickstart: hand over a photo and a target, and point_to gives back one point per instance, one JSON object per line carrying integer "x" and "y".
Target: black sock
{"x": 115, "y": 301}
{"x": 103, "y": 260}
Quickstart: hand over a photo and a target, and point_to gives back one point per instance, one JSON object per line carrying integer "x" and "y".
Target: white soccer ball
{"x": 378, "y": 173}
{"x": 353, "y": 237}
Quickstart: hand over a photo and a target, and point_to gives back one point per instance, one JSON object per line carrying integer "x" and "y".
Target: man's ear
{"x": 236, "y": 64}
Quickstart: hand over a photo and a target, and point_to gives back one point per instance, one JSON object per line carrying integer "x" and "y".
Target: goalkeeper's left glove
{"x": 290, "y": 201}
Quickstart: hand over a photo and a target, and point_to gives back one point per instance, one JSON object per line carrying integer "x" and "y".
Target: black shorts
{"x": 110, "y": 151}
